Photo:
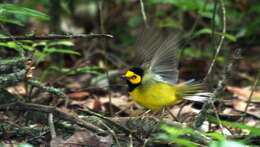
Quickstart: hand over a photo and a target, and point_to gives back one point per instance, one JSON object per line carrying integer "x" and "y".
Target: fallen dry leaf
{"x": 97, "y": 105}
{"x": 230, "y": 112}
{"x": 252, "y": 109}
{"x": 57, "y": 142}
{"x": 244, "y": 94}
{"x": 85, "y": 137}
{"x": 102, "y": 103}
{"x": 17, "y": 90}
{"x": 79, "y": 95}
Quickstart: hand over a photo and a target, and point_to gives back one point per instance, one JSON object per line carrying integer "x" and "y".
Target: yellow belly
{"x": 155, "y": 96}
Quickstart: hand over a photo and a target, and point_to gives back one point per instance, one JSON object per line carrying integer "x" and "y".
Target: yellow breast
{"x": 155, "y": 96}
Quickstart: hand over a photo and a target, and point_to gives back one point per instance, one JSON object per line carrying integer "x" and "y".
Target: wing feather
{"x": 148, "y": 42}
{"x": 164, "y": 62}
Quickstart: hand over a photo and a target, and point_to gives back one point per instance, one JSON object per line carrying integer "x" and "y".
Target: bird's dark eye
{"x": 133, "y": 77}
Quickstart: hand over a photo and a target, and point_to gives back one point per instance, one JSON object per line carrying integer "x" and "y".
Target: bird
{"x": 154, "y": 83}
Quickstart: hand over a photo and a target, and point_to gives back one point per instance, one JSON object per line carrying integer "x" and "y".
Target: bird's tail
{"x": 199, "y": 97}
{"x": 193, "y": 92}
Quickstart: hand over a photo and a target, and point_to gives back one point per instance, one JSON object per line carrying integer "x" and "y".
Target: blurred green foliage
{"x": 254, "y": 131}
{"x": 42, "y": 49}
{"x": 15, "y": 14}
{"x": 52, "y": 47}
{"x": 184, "y": 5}
{"x": 177, "y": 135}
{"x": 71, "y": 71}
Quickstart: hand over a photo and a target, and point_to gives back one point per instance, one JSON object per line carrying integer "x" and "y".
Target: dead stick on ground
{"x": 57, "y": 37}
{"x": 51, "y": 125}
{"x": 49, "y": 109}
{"x": 126, "y": 130}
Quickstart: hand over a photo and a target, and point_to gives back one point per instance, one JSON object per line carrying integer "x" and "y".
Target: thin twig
{"x": 112, "y": 132}
{"x": 143, "y": 13}
{"x": 200, "y": 118}
{"x": 57, "y": 37}
{"x": 216, "y": 55}
{"x": 104, "y": 45}
{"x": 101, "y": 20}
{"x": 172, "y": 115}
{"x": 130, "y": 141}
{"x": 221, "y": 39}
{"x": 213, "y": 25}
{"x": 126, "y": 130}
{"x": 251, "y": 94}
{"x": 179, "y": 112}
{"x": 217, "y": 116}
{"x": 221, "y": 84}
{"x": 51, "y": 125}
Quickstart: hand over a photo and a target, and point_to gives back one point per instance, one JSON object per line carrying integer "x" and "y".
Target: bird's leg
{"x": 172, "y": 115}
{"x": 143, "y": 115}
{"x": 145, "y": 112}
{"x": 161, "y": 113}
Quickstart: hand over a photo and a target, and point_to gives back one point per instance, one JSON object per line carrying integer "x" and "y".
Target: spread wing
{"x": 157, "y": 55}
{"x": 148, "y": 41}
{"x": 164, "y": 62}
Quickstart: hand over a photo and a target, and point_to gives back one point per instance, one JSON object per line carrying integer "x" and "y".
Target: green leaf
{"x": 39, "y": 44}
{"x": 2, "y": 36}
{"x": 41, "y": 55}
{"x": 184, "y": 5}
{"x": 170, "y": 23}
{"x": 252, "y": 28}
{"x": 237, "y": 125}
{"x": 134, "y": 21}
{"x": 64, "y": 43}
{"x": 12, "y": 21}
{"x": 15, "y": 9}
{"x": 64, "y": 51}
{"x": 207, "y": 14}
{"x": 25, "y": 145}
{"x": 209, "y": 31}
{"x": 217, "y": 136}
{"x": 11, "y": 45}
{"x": 255, "y": 8}
{"x": 184, "y": 142}
{"x": 62, "y": 70}
{"x": 176, "y": 132}
{"x": 228, "y": 36}
{"x": 174, "y": 135}
{"x": 203, "y": 31}
{"x": 28, "y": 47}
{"x": 3, "y": 44}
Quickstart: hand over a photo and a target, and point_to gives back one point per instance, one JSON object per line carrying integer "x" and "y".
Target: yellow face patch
{"x": 133, "y": 77}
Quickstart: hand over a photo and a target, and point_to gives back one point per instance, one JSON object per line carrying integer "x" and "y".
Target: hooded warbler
{"x": 154, "y": 84}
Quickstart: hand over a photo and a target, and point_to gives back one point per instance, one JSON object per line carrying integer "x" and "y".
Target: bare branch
{"x": 49, "y": 109}
{"x": 222, "y": 37}
{"x": 57, "y": 37}
{"x": 143, "y": 13}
